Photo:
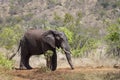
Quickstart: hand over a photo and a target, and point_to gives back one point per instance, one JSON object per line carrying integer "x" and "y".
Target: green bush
{"x": 113, "y": 33}
{"x": 86, "y": 46}
{"x": 68, "y": 33}
{"x": 5, "y": 63}
{"x": 68, "y": 18}
{"x": 9, "y": 36}
{"x": 113, "y": 39}
{"x": 81, "y": 39}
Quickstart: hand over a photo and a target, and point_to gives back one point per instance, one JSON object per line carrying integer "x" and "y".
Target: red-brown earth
{"x": 79, "y": 73}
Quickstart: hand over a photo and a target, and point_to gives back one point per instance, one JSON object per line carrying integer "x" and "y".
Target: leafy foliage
{"x": 5, "y": 63}
{"x": 9, "y": 36}
{"x": 113, "y": 33}
{"x": 113, "y": 39}
{"x": 68, "y": 33}
{"x": 86, "y": 45}
{"x": 82, "y": 40}
{"x": 68, "y": 18}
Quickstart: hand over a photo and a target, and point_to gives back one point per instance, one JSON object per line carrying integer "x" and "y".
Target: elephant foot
{"x": 53, "y": 69}
{"x": 29, "y": 67}
{"x": 72, "y": 68}
{"x": 22, "y": 67}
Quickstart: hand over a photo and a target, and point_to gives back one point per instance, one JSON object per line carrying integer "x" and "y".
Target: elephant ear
{"x": 49, "y": 39}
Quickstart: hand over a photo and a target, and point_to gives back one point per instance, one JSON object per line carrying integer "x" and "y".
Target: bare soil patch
{"x": 79, "y": 73}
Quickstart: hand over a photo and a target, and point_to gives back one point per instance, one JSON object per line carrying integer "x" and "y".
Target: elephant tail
{"x": 11, "y": 57}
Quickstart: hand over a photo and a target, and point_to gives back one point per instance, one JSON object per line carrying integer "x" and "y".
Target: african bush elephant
{"x": 37, "y": 41}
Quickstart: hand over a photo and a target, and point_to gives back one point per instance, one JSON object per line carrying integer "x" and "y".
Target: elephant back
{"x": 35, "y": 32}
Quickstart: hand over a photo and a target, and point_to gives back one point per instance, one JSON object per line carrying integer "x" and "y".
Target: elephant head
{"x": 59, "y": 40}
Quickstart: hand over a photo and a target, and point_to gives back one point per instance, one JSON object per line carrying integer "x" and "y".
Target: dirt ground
{"x": 85, "y": 69}
{"x": 79, "y": 73}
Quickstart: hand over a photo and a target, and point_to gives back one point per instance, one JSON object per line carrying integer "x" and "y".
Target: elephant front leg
{"x": 51, "y": 61}
{"x": 48, "y": 62}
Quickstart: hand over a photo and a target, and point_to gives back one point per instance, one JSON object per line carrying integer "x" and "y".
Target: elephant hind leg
{"x": 27, "y": 62}
{"x": 25, "y": 55}
{"x": 24, "y": 63}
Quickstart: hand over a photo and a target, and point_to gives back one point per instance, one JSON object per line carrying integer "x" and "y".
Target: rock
{"x": 117, "y": 66}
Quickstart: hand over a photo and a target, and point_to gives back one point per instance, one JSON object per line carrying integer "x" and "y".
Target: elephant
{"x": 38, "y": 41}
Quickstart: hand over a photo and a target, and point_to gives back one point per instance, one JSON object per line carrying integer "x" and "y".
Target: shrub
{"x": 68, "y": 33}
{"x": 4, "y": 62}
{"x": 86, "y": 46}
{"x": 113, "y": 39}
{"x": 9, "y": 36}
{"x": 68, "y": 18}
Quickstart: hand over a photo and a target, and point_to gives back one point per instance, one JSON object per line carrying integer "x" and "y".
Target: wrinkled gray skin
{"x": 36, "y": 42}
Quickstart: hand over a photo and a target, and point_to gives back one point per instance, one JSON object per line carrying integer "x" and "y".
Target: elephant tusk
{"x": 68, "y": 55}
{"x": 66, "y": 51}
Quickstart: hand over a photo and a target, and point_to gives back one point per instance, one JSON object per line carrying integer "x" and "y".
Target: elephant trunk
{"x": 68, "y": 56}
